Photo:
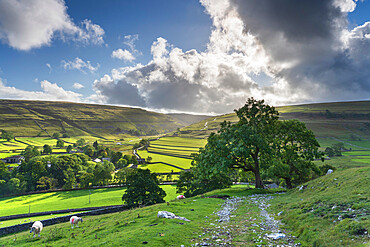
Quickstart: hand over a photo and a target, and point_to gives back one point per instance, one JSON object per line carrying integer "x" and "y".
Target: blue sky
{"x": 183, "y": 23}
{"x": 212, "y": 54}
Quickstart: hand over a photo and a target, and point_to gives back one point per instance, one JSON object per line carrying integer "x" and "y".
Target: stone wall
{"x": 49, "y": 222}
{"x": 64, "y": 211}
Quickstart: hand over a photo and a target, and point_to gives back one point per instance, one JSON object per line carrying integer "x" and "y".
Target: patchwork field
{"x": 68, "y": 200}
{"x": 171, "y": 154}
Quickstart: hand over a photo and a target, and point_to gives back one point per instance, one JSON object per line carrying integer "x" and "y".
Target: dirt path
{"x": 244, "y": 221}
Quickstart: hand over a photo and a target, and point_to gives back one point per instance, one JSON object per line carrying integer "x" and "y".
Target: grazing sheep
{"x": 181, "y": 197}
{"x": 36, "y": 228}
{"x": 74, "y": 221}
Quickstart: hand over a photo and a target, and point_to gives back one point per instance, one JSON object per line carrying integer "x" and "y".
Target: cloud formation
{"x": 25, "y": 24}
{"x": 285, "y": 51}
{"x": 77, "y": 85}
{"x": 127, "y": 55}
{"x": 124, "y": 55}
{"x": 309, "y": 46}
{"x": 50, "y": 91}
{"x": 80, "y": 65}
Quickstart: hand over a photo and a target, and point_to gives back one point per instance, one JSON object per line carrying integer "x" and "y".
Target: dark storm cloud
{"x": 306, "y": 43}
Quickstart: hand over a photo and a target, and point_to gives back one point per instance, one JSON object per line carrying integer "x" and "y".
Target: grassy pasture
{"x": 167, "y": 147}
{"x": 313, "y": 213}
{"x": 365, "y": 152}
{"x": 180, "y": 162}
{"x": 68, "y": 199}
{"x": 126, "y": 229}
{"x": 160, "y": 168}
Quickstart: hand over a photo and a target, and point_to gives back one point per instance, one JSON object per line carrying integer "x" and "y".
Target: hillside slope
{"x": 331, "y": 122}
{"x": 43, "y": 118}
{"x": 187, "y": 119}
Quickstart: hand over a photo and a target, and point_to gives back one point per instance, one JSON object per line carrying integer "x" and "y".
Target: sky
{"x": 204, "y": 56}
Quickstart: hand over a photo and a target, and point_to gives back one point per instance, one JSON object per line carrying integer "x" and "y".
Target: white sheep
{"x": 180, "y": 197}
{"x": 74, "y": 221}
{"x": 36, "y": 228}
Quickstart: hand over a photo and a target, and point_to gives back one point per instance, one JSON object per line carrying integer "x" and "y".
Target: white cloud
{"x": 26, "y": 24}
{"x": 49, "y": 66}
{"x": 50, "y": 91}
{"x": 284, "y": 51}
{"x": 124, "y": 55}
{"x": 78, "y": 85}
{"x": 80, "y": 65}
{"x": 127, "y": 55}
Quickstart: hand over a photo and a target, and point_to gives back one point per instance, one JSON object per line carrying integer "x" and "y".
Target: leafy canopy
{"x": 142, "y": 189}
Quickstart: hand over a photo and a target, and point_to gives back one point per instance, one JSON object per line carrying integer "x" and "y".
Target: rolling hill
{"x": 348, "y": 122}
{"x": 43, "y": 118}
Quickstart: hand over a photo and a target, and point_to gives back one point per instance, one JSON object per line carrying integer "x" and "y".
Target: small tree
{"x": 29, "y": 152}
{"x": 56, "y": 135}
{"x": 60, "y": 143}
{"x": 69, "y": 148}
{"x": 80, "y": 143}
{"x": 65, "y": 135}
{"x": 6, "y": 135}
{"x": 142, "y": 189}
{"x": 121, "y": 163}
{"x": 96, "y": 145}
{"x": 47, "y": 149}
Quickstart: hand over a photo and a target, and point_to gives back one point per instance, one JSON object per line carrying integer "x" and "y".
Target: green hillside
{"x": 43, "y": 118}
{"x": 348, "y": 122}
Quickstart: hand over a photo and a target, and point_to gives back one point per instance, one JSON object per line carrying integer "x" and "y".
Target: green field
{"x": 43, "y": 118}
{"x": 171, "y": 150}
{"x": 127, "y": 229}
{"x": 68, "y": 199}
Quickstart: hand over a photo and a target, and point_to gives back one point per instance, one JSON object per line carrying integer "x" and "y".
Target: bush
{"x": 324, "y": 168}
{"x": 142, "y": 189}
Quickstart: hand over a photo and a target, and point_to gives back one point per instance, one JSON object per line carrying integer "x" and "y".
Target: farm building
{"x": 16, "y": 159}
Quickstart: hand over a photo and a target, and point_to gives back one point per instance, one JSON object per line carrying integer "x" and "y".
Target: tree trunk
{"x": 288, "y": 182}
{"x": 259, "y": 182}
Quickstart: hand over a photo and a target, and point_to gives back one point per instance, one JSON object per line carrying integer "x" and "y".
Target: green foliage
{"x": 30, "y": 152}
{"x": 95, "y": 144}
{"x": 103, "y": 173}
{"x": 7, "y": 135}
{"x": 65, "y": 135}
{"x": 47, "y": 149}
{"x": 142, "y": 189}
{"x": 69, "y": 148}
{"x": 46, "y": 183}
{"x": 55, "y": 135}
{"x": 121, "y": 175}
{"x": 121, "y": 163}
{"x": 60, "y": 144}
{"x": 335, "y": 149}
{"x": 245, "y": 145}
{"x": 191, "y": 185}
{"x": 296, "y": 147}
{"x": 80, "y": 142}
